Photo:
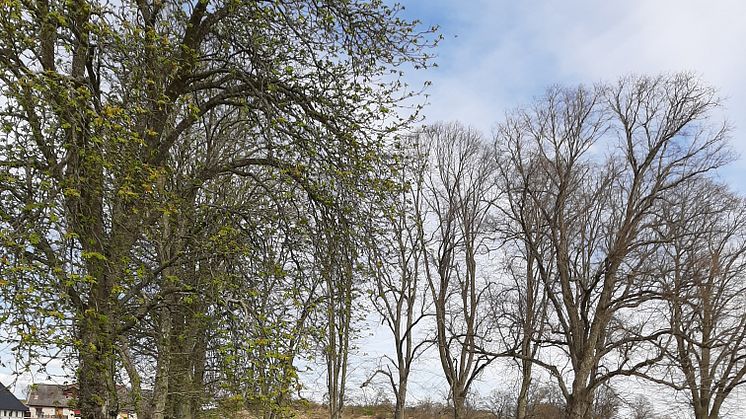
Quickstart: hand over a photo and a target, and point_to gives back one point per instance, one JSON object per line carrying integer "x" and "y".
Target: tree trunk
{"x": 459, "y": 407}
{"x": 338, "y": 273}
{"x": 179, "y": 364}
{"x": 401, "y": 400}
{"x": 522, "y": 402}
{"x": 134, "y": 378}
{"x": 97, "y": 396}
{"x": 196, "y": 383}
{"x": 702, "y": 412}
{"x": 96, "y": 367}
{"x": 398, "y": 411}
{"x": 188, "y": 356}
{"x": 529, "y": 329}
{"x": 579, "y": 404}
{"x": 160, "y": 389}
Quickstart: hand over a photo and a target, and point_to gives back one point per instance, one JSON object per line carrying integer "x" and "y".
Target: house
{"x": 51, "y": 401}
{"x": 10, "y": 406}
{"x": 57, "y": 401}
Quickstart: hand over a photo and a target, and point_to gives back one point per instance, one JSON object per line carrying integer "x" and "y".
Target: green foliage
{"x": 173, "y": 154}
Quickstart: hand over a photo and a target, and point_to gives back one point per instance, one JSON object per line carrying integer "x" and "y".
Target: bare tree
{"x": 460, "y": 197}
{"x": 610, "y": 153}
{"x": 524, "y": 303}
{"x": 705, "y": 288}
{"x": 641, "y": 408}
{"x": 606, "y": 403}
{"x": 399, "y": 294}
{"x": 501, "y": 404}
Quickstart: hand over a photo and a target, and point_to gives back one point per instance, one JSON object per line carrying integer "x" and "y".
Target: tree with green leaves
{"x": 100, "y": 103}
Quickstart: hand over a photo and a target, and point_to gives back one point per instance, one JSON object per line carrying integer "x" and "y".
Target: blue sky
{"x": 499, "y": 54}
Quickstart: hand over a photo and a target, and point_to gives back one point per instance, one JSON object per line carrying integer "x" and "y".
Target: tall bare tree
{"x": 524, "y": 303}
{"x": 399, "y": 293}
{"x": 704, "y": 279}
{"x": 611, "y": 153}
{"x": 460, "y": 197}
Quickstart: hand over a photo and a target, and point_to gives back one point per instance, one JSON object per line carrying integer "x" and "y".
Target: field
{"x": 379, "y": 412}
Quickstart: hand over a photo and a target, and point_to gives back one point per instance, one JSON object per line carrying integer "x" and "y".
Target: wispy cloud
{"x": 498, "y": 54}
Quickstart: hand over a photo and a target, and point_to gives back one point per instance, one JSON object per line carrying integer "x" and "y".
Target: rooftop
{"x": 9, "y": 402}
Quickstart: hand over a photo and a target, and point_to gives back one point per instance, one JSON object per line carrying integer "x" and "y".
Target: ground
{"x": 379, "y": 412}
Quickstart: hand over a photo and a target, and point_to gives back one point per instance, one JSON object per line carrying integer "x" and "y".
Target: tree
{"x": 524, "y": 303}
{"x": 398, "y": 293}
{"x": 265, "y": 314}
{"x": 501, "y": 404}
{"x": 460, "y": 197}
{"x": 642, "y": 409}
{"x": 606, "y": 403}
{"x": 704, "y": 280}
{"x": 611, "y": 153}
{"x": 336, "y": 254}
{"x": 100, "y": 98}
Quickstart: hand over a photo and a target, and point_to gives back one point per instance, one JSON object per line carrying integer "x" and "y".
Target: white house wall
{"x": 51, "y": 413}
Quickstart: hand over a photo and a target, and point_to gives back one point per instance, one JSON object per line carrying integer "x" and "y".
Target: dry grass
{"x": 377, "y": 412}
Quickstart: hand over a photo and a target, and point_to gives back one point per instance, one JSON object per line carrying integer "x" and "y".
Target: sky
{"x": 499, "y": 54}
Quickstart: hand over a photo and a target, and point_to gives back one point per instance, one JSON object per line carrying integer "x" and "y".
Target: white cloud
{"x": 498, "y": 54}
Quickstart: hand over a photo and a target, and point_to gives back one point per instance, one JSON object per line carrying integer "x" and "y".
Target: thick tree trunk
{"x": 188, "y": 356}
{"x": 459, "y": 406}
{"x": 702, "y": 412}
{"x": 579, "y": 405}
{"x": 96, "y": 397}
{"x": 198, "y": 381}
{"x": 398, "y": 411}
{"x": 179, "y": 365}
{"x": 160, "y": 389}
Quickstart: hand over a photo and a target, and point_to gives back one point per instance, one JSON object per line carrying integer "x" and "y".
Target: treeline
{"x": 195, "y": 196}
{"x": 588, "y": 240}
{"x": 183, "y": 189}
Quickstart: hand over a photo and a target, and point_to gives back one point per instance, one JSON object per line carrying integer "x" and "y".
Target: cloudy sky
{"x": 498, "y": 53}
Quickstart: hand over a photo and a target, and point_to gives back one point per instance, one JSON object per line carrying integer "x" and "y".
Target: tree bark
{"x": 135, "y": 379}
{"x": 95, "y": 372}
{"x": 522, "y": 402}
{"x": 401, "y": 398}
{"x": 160, "y": 389}
{"x": 459, "y": 406}
{"x": 579, "y": 404}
